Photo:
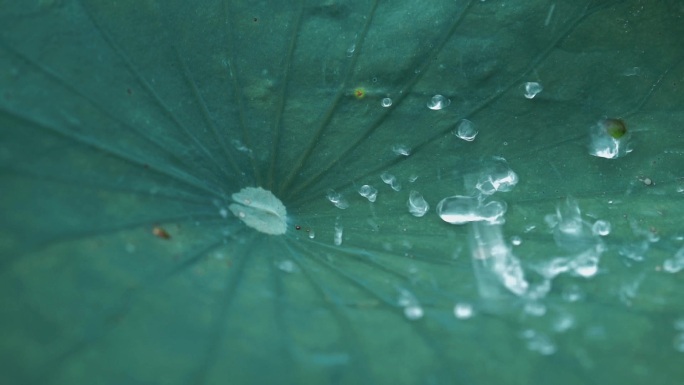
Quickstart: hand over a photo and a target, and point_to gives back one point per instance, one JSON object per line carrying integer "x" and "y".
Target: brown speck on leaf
{"x": 159, "y": 232}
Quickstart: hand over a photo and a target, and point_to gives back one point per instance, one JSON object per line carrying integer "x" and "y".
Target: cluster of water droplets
{"x": 579, "y": 239}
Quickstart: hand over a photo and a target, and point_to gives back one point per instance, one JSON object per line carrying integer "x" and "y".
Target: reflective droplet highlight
{"x": 386, "y": 102}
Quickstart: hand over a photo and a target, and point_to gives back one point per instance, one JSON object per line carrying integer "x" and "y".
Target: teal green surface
{"x": 119, "y": 117}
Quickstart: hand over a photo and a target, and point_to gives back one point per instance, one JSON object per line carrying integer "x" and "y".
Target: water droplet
{"x": 338, "y": 234}
{"x": 497, "y": 176}
{"x": 463, "y": 310}
{"x": 368, "y": 192}
{"x": 516, "y": 240}
{"x": 417, "y": 205}
{"x": 601, "y": 228}
{"x": 413, "y": 312}
{"x": 391, "y": 180}
{"x": 633, "y": 71}
{"x": 240, "y": 146}
{"x": 563, "y": 323}
{"x": 386, "y": 102}
{"x": 312, "y": 234}
{"x": 538, "y": 342}
{"x": 337, "y": 199}
{"x": 586, "y": 264}
{"x": 260, "y": 210}
{"x": 676, "y": 263}
{"x": 459, "y": 210}
{"x": 534, "y": 308}
{"x": 466, "y": 130}
{"x": 287, "y": 266}
{"x": 350, "y": 50}
{"x": 438, "y": 102}
{"x": 609, "y": 139}
{"x": 400, "y": 149}
{"x": 532, "y": 89}
{"x": 409, "y": 302}
{"x": 572, "y": 293}
{"x": 494, "y": 264}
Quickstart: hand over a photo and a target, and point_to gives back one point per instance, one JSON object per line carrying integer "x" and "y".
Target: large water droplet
{"x": 260, "y": 210}
{"x": 460, "y": 209}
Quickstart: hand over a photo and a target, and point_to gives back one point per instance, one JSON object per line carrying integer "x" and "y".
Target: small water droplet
{"x": 463, "y": 310}
{"x": 386, "y": 102}
{"x": 368, "y": 192}
{"x": 240, "y": 146}
{"x": 538, "y": 342}
{"x": 516, "y": 240}
{"x": 413, "y": 312}
{"x": 438, "y": 102}
{"x": 601, "y": 228}
{"x": 534, "y": 308}
{"x": 400, "y": 149}
{"x": 417, "y": 205}
{"x": 350, "y": 50}
{"x": 532, "y": 89}
{"x": 338, "y": 234}
{"x": 466, "y": 130}
{"x": 572, "y": 293}
{"x": 287, "y": 266}
{"x": 676, "y": 263}
{"x": 337, "y": 199}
